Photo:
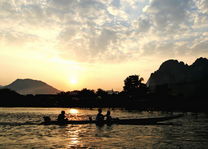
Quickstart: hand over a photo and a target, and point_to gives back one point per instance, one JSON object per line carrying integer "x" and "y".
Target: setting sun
{"x": 73, "y": 81}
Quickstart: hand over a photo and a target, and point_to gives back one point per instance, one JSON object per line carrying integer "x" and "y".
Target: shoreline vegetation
{"x": 132, "y": 98}
{"x": 175, "y": 86}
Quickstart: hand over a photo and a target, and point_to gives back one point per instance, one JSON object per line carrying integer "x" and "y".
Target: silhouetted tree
{"x": 101, "y": 93}
{"x": 132, "y": 83}
{"x": 10, "y": 98}
{"x": 87, "y": 92}
{"x": 87, "y": 97}
{"x": 133, "y": 86}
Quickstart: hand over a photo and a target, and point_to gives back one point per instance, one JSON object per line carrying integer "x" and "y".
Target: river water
{"x": 19, "y": 129}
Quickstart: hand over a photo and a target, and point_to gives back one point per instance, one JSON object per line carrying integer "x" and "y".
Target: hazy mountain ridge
{"x": 180, "y": 77}
{"x": 29, "y": 86}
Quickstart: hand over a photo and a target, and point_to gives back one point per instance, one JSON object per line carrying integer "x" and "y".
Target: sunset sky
{"x": 75, "y": 44}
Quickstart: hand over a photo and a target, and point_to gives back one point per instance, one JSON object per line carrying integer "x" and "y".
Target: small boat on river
{"x": 140, "y": 121}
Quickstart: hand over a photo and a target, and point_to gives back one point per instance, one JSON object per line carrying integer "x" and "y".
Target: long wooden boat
{"x": 141, "y": 121}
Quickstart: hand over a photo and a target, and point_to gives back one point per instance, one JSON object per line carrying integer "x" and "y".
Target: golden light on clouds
{"x": 97, "y": 44}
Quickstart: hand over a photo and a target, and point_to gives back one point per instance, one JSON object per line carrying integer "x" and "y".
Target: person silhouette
{"x": 108, "y": 117}
{"x": 99, "y": 117}
{"x": 47, "y": 119}
{"x": 62, "y": 117}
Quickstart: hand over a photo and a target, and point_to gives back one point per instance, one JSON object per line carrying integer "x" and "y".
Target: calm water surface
{"x": 19, "y": 129}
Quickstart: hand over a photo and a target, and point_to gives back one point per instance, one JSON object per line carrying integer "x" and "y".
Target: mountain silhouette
{"x": 181, "y": 78}
{"x": 29, "y": 86}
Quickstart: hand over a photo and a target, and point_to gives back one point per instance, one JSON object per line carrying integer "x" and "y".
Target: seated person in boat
{"x": 47, "y": 119}
{"x": 62, "y": 117}
{"x": 108, "y": 117}
{"x": 100, "y": 116}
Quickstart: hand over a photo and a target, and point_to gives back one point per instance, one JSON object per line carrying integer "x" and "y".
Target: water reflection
{"x": 191, "y": 134}
{"x": 69, "y": 136}
{"x": 72, "y": 114}
{"x": 73, "y": 111}
{"x": 73, "y": 136}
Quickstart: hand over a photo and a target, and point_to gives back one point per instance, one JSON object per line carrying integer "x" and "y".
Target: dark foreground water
{"x": 19, "y": 129}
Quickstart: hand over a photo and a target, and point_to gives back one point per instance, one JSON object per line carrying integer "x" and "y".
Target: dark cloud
{"x": 144, "y": 24}
{"x": 116, "y": 3}
{"x": 169, "y": 14}
{"x": 102, "y": 41}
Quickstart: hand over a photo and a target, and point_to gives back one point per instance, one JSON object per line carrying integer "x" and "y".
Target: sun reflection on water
{"x": 72, "y": 114}
{"x": 73, "y": 111}
{"x": 73, "y": 137}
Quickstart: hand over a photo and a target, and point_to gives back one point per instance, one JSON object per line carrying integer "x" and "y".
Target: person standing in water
{"x": 108, "y": 117}
{"x": 100, "y": 117}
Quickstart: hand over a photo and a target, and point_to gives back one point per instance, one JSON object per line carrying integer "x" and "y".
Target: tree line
{"x": 135, "y": 95}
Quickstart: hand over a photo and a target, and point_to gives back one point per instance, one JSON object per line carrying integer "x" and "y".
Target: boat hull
{"x": 142, "y": 121}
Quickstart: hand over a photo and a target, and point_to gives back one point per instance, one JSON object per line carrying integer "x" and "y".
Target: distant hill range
{"x": 29, "y": 86}
{"x": 180, "y": 78}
